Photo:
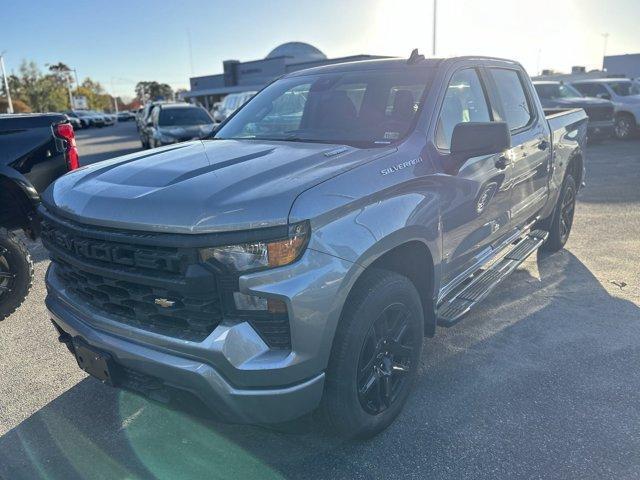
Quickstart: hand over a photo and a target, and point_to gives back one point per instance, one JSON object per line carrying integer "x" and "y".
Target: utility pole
{"x": 115, "y": 99}
{"x": 75, "y": 73}
{"x": 6, "y": 84}
{"x": 435, "y": 13}
{"x": 605, "y": 36}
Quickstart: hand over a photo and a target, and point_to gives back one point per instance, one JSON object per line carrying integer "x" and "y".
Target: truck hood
{"x": 201, "y": 187}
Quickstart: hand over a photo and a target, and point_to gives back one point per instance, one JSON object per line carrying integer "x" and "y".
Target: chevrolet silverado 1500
{"x": 295, "y": 261}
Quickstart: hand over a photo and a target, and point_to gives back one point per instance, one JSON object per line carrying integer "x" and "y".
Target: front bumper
{"x": 177, "y": 373}
{"x": 233, "y": 372}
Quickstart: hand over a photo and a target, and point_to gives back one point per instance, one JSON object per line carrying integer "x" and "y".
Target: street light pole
{"x": 435, "y": 12}
{"x": 75, "y": 73}
{"x": 6, "y": 84}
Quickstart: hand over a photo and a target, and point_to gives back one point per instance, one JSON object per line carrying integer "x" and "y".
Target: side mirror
{"x": 604, "y": 96}
{"x": 473, "y": 139}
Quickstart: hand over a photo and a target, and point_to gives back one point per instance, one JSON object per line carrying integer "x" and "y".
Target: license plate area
{"x": 96, "y": 363}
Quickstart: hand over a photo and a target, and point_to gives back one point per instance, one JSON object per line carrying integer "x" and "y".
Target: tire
{"x": 352, "y": 406}
{"x": 562, "y": 219}
{"x": 624, "y": 127}
{"x": 16, "y": 273}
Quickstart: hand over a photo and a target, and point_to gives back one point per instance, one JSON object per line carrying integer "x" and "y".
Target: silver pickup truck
{"x": 295, "y": 261}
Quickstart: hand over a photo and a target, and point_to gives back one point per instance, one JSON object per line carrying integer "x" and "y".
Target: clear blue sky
{"x": 122, "y": 42}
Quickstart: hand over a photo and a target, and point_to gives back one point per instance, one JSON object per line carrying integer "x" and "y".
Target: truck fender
{"x": 15, "y": 188}
{"x": 15, "y": 177}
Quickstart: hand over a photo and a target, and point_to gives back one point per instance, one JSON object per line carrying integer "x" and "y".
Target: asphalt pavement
{"x": 541, "y": 381}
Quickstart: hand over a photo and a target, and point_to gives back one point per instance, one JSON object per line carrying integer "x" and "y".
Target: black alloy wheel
{"x": 560, "y": 222}
{"x": 375, "y": 355}
{"x": 385, "y": 360}
{"x": 567, "y": 209}
{"x": 16, "y": 273}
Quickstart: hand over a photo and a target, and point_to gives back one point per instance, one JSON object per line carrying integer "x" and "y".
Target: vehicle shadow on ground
{"x": 527, "y": 363}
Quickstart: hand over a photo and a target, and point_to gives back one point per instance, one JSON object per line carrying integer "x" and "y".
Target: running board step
{"x": 458, "y": 303}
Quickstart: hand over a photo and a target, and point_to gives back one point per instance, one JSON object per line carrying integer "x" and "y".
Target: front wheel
{"x": 16, "y": 273}
{"x": 375, "y": 355}
{"x": 624, "y": 127}
{"x": 562, "y": 218}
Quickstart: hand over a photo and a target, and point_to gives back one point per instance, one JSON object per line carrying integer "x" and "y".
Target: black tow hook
{"x": 64, "y": 337}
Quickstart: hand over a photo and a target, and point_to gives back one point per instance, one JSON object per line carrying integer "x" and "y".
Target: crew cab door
{"x": 530, "y": 153}
{"x": 475, "y": 199}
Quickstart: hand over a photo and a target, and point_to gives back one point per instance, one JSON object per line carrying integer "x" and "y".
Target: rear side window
{"x": 517, "y": 110}
{"x": 464, "y": 101}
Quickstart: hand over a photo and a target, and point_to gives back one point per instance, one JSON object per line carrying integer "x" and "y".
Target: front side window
{"x": 361, "y": 108}
{"x": 517, "y": 110}
{"x": 464, "y": 101}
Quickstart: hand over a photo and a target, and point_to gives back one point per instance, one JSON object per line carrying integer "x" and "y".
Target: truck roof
{"x": 392, "y": 63}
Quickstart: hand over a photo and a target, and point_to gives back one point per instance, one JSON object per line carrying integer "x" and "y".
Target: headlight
{"x": 260, "y": 255}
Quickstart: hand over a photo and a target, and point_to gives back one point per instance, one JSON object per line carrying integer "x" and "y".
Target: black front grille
{"x": 156, "y": 288}
{"x": 159, "y": 310}
{"x": 109, "y": 252}
{"x": 600, "y": 113}
{"x": 150, "y": 283}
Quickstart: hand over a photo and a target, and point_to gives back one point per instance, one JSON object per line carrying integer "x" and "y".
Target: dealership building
{"x": 253, "y": 75}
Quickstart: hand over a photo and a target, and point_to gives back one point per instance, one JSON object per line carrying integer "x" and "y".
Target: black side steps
{"x": 451, "y": 310}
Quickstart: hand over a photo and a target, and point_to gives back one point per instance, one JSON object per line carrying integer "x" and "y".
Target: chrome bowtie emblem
{"x": 164, "y": 303}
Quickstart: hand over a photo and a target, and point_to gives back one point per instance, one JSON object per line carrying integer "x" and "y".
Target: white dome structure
{"x": 298, "y": 52}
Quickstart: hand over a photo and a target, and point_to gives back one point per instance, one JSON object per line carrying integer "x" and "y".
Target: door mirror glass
{"x": 473, "y": 139}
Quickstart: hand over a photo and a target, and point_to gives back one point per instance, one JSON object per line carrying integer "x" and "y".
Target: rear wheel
{"x": 375, "y": 355}
{"x": 562, "y": 218}
{"x": 16, "y": 273}
{"x": 625, "y": 126}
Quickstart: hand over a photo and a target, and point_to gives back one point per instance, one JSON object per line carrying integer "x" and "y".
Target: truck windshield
{"x": 624, "y": 89}
{"x": 175, "y": 117}
{"x": 556, "y": 90}
{"x": 359, "y": 108}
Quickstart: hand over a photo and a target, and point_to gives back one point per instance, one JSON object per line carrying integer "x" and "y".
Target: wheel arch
{"x": 414, "y": 260}
{"x": 576, "y": 168}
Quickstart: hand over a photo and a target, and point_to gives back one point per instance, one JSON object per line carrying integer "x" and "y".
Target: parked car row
{"x": 612, "y": 104}
{"x": 90, "y": 118}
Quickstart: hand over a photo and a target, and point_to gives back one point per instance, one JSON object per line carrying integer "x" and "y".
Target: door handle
{"x": 502, "y": 162}
{"x": 543, "y": 145}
